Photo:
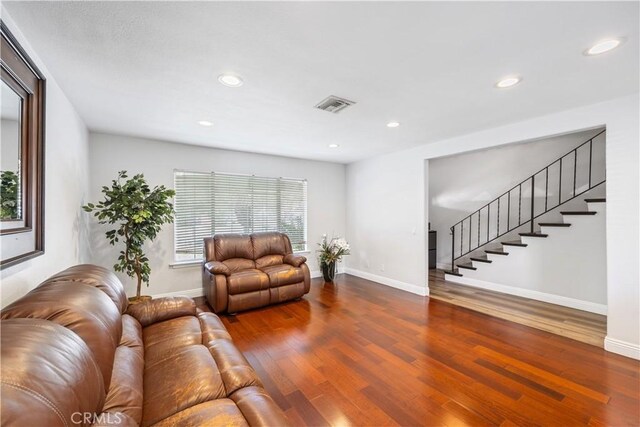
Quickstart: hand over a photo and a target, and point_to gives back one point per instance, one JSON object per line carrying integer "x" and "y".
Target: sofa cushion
{"x": 283, "y": 274}
{"x": 221, "y": 412}
{"x": 98, "y": 277}
{"x": 164, "y": 338}
{"x": 269, "y": 243}
{"x": 48, "y": 375}
{"x": 247, "y": 281}
{"x": 227, "y": 246}
{"x": 269, "y": 260}
{"x": 238, "y": 264}
{"x": 85, "y": 310}
{"x": 185, "y": 378}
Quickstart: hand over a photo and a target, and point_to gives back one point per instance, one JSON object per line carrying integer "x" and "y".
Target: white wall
{"x": 463, "y": 183}
{"x": 66, "y": 184}
{"x": 158, "y": 159}
{"x": 393, "y": 205}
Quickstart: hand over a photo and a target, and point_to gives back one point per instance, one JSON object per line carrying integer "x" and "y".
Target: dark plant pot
{"x": 328, "y": 271}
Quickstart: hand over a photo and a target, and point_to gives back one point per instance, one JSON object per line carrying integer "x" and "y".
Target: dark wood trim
{"x": 21, "y": 74}
{"x": 578, "y": 213}
{"x": 519, "y": 244}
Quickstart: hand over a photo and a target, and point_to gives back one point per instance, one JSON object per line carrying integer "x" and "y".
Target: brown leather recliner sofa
{"x": 244, "y": 271}
{"x": 75, "y": 353}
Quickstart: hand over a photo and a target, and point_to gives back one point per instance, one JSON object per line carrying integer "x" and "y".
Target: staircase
{"x": 483, "y": 242}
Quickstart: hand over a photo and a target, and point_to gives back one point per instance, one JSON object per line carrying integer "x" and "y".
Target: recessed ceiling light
{"x": 205, "y": 123}
{"x": 230, "y": 80}
{"x": 393, "y": 124}
{"x": 508, "y": 82}
{"x": 333, "y": 146}
{"x": 603, "y": 46}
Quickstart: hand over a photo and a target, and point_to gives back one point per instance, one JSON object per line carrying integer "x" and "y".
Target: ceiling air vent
{"x": 333, "y": 104}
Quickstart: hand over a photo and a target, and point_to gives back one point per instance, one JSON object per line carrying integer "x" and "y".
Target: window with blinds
{"x": 209, "y": 203}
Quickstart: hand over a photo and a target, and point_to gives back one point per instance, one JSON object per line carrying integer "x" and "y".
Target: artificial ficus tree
{"x": 137, "y": 213}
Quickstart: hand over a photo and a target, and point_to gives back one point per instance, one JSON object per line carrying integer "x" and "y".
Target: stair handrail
{"x": 532, "y": 217}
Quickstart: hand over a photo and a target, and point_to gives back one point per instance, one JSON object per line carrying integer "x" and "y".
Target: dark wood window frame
{"x": 21, "y": 74}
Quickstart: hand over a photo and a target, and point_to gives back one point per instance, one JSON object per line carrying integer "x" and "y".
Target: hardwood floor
{"x": 359, "y": 353}
{"x": 576, "y": 324}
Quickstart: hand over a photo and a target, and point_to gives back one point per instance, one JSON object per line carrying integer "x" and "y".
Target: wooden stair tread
{"x": 453, "y": 273}
{"x": 554, "y": 224}
{"x": 481, "y": 259}
{"x": 468, "y": 266}
{"x": 534, "y": 234}
{"x": 496, "y": 252}
{"x": 596, "y": 200}
{"x": 515, "y": 243}
{"x": 578, "y": 213}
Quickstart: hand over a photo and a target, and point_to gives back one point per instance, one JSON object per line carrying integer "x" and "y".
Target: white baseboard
{"x": 191, "y": 293}
{"x": 443, "y": 266}
{"x": 408, "y": 287}
{"x": 591, "y": 307}
{"x": 623, "y": 348}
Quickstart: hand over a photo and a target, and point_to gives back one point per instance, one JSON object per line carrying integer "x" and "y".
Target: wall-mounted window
{"x": 208, "y": 203}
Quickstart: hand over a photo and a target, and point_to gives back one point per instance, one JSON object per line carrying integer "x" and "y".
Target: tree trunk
{"x": 139, "y": 275}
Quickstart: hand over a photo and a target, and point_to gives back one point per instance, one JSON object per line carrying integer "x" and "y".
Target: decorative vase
{"x": 328, "y": 271}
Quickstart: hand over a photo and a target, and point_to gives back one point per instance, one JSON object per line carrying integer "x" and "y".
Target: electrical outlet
{"x": 381, "y": 267}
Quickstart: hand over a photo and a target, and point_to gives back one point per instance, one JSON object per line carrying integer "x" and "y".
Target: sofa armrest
{"x": 160, "y": 309}
{"x": 294, "y": 260}
{"x": 216, "y": 267}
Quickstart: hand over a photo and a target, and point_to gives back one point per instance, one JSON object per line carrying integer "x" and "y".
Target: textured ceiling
{"x": 149, "y": 68}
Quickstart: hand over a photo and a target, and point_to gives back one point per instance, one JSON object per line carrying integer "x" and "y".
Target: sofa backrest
{"x": 91, "y": 307}
{"x": 270, "y": 248}
{"x": 243, "y": 251}
{"x": 98, "y": 277}
{"x": 233, "y": 250}
{"x": 49, "y": 375}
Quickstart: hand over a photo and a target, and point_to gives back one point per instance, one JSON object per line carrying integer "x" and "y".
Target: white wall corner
{"x": 408, "y": 287}
{"x": 623, "y": 348}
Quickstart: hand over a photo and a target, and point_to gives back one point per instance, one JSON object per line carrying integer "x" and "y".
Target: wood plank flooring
{"x": 576, "y": 324}
{"x": 359, "y": 353}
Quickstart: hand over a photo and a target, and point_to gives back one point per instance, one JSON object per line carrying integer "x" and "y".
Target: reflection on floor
{"x": 576, "y": 324}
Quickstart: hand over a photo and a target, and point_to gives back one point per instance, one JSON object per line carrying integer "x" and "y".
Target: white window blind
{"x": 209, "y": 203}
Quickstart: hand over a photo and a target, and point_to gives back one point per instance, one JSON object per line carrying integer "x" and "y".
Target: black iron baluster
{"x": 590, "y": 156}
{"x": 453, "y": 240}
{"x": 546, "y": 187}
{"x": 488, "y": 219}
{"x": 533, "y": 188}
{"x": 470, "y": 232}
{"x": 461, "y": 237}
{"x": 519, "y": 202}
{"x": 575, "y": 166}
{"x": 560, "y": 184}
{"x": 508, "y": 209}
{"x": 479, "y": 227}
{"x": 498, "y": 227}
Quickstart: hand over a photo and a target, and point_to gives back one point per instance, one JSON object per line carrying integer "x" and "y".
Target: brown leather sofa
{"x": 75, "y": 353}
{"x": 244, "y": 271}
